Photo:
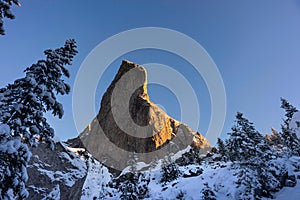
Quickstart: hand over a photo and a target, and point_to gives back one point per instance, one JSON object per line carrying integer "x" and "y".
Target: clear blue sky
{"x": 255, "y": 44}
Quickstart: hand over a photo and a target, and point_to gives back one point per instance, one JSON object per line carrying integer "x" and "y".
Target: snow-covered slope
{"x": 194, "y": 182}
{"x": 66, "y": 174}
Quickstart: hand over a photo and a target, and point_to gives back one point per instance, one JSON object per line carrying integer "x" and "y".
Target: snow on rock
{"x": 77, "y": 151}
{"x": 61, "y": 167}
{"x": 70, "y": 175}
{"x": 54, "y": 194}
{"x": 97, "y": 178}
{"x": 290, "y": 193}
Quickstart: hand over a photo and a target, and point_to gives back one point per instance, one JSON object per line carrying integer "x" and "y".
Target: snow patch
{"x": 54, "y": 194}
{"x": 97, "y": 178}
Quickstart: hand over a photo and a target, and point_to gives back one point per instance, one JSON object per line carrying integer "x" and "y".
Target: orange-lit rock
{"x": 129, "y": 121}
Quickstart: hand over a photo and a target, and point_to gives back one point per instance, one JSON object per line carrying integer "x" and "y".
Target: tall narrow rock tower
{"x": 129, "y": 123}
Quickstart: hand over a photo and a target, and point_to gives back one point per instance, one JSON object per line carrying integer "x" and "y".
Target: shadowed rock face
{"x": 58, "y": 171}
{"x": 128, "y": 122}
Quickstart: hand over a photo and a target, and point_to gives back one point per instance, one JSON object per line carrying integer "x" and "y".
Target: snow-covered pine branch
{"x": 25, "y": 101}
{"x": 22, "y": 108}
{"x": 5, "y": 12}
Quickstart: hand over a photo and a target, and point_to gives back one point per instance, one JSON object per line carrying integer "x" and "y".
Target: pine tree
{"x": 221, "y": 148}
{"x": 290, "y": 140}
{"x": 128, "y": 188}
{"x": 133, "y": 186}
{"x": 14, "y": 157}
{"x": 22, "y": 108}
{"x": 290, "y": 110}
{"x": 248, "y": 183}
{"x": 5, "y": 12}
{"x": 25, "y": 102}
{"x": 268, "y": 181}
{"x": 251, "y": 153}
{"x": 288, "y": 134}
{"x": 153, "y": 164}
{"x": 245, "y": 143}
{"x": 170, "y": 170}
{"x": 132, "y": 162}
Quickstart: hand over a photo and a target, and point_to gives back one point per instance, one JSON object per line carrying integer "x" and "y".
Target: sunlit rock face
{"x": 129, "y": 123}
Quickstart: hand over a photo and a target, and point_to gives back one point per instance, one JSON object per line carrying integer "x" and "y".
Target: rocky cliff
{"x": 55, "y": 174}
{"x": 129, "y": 123}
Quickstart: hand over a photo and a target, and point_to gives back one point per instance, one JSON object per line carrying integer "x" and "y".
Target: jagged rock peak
{"x": 137, "y": 77}
{"x": 140, "y": 71}
{"x": 128, "y": 122}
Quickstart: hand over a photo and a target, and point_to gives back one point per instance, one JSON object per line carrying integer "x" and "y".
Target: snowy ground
{"x": 289, "y": 193}
{"x": 218, "y": 179}
{"x": 219, "y": 176}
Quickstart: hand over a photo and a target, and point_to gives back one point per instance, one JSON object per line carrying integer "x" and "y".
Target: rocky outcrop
{"x": 129, "y": 123}
{"x": 55, "y": 174}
